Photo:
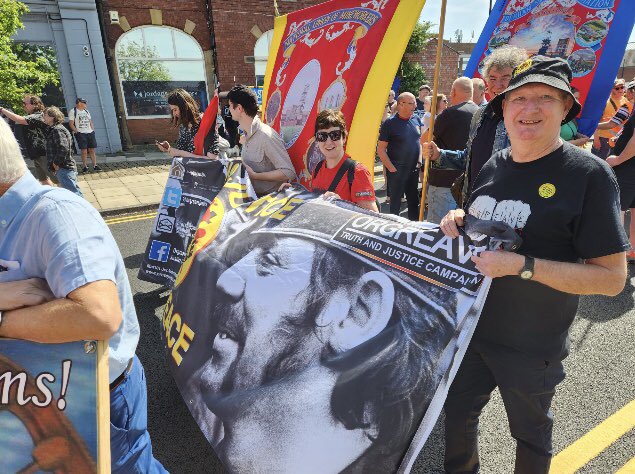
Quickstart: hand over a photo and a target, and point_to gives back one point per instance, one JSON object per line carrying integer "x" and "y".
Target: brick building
{"x": 449, "y": 64}
{"x": 155, "y": 46}
{"x": 243, "y": 33}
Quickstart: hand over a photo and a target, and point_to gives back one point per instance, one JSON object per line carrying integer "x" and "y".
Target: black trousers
{"x": 527, "y": 385}
{"x": 404, "y": 181}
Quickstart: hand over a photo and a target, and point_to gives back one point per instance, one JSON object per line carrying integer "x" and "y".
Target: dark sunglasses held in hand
{"x": 333, "y": 135}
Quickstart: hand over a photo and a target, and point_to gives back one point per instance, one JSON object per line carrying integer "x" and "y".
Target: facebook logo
{"x": 159, "y": 251}
{"x": 172, "y": 196}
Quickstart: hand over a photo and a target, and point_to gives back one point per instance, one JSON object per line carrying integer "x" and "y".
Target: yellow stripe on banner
{"x": 628, "y": 468}
{"x": 576, "y": 455}
{"x": 279, "y": 25}
{"x": 364, "y": 131}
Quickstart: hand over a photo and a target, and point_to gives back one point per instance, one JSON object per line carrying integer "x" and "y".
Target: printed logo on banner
{"x": 172, "y": 196}
{"x": 421, "y": 253}
{"x": 159, "y": 251}
{"x": 165, "y": 223}
{"x": 177, "y": 171}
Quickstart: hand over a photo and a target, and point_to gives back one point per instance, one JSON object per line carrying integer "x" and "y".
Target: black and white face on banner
{"x": 316, "y": 336}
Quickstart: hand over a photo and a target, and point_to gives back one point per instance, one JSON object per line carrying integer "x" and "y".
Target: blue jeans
{"x": 130, "y": 446}
{"x": 440, "y": 202}
{"x": 68, "y": 180}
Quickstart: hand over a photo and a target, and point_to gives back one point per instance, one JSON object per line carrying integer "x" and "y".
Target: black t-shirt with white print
{"x": 566, "y": 207}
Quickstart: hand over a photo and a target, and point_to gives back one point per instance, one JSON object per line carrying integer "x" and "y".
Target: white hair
{"x": 12, "y": 165}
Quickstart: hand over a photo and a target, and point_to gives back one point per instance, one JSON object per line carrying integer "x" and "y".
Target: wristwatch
{"x": 527, "y": 272}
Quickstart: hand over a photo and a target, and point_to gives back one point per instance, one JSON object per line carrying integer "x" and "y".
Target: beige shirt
{"x": 264, "y": 151}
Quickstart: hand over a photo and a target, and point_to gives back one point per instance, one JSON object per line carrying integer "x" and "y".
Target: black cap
{"x": 554, "y": 72}
{"x": 80, "y": 99}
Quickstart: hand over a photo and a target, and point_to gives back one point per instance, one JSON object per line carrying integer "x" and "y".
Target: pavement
{"x": 129, "y": 183}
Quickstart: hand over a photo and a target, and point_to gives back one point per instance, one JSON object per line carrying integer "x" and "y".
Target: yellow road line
{"x": 132, "y": 218}
{"x": 628, "y": 468}
{"x": 589, "y": 446}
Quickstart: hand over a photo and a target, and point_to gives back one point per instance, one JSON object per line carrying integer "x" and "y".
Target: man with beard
{"x": 333, "y": 373}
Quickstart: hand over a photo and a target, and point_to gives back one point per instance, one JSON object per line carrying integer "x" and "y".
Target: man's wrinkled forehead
{"x": 496, "y": 72}
{"x": 262, "y": 243}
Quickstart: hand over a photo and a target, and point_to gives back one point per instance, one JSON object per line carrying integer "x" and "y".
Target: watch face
{"x": 526, "y": 274}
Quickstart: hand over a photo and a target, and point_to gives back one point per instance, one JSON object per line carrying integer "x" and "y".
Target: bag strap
{"x": 615, "y": 107}
{"x": 347, "y": 167}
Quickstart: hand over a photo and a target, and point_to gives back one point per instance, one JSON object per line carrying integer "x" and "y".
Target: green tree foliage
{"x": 137, "y": 68}
{"x": 411, "y": 73}
{"x": 22, "y": 69}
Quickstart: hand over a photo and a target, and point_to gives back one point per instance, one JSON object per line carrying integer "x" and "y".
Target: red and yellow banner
{"x": 341, "y": 54}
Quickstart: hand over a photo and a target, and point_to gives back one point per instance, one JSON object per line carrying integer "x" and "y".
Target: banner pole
{"x": 433, "y": 109}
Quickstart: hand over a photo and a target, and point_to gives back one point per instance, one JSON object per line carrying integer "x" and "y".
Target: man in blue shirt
{"x": 63, "y": 279}
{"x": 400, "y": 152}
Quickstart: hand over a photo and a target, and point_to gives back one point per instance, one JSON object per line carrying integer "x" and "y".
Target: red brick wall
{"x": 146, "y": 131}
{"x": 233, "y": 22}
{"x": 449, "y": 65}
{"x": 174, "y": 14}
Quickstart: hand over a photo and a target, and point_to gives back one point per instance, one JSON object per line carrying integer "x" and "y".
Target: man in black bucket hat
{"x": 564, "y": 202}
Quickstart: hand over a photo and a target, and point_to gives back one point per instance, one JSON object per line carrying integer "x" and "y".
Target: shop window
{"x": 152, "y": 61}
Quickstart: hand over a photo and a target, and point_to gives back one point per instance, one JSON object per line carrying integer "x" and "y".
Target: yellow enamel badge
{"x": 547, "y": 190}
{"x": 523, "y": 67}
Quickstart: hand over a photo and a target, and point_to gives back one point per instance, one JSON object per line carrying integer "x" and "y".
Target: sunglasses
{"x": 333, "y": 135}
{"x": 618, "y": 88}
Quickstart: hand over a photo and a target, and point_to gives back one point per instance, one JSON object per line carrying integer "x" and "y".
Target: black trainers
{"x": 85, "y": 169}
{"x": 96, "y": 168}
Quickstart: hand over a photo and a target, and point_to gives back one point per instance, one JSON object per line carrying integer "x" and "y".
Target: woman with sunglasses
{"x": 601, "y": 146}
{"x": 337, "y": 173}
{"x": 622, "y": 115}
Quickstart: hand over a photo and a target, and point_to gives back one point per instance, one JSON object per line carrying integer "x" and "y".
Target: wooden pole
{"x": 433, "y": 109}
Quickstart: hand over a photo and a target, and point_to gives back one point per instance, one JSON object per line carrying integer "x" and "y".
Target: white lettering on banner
{"x": 8, "y": 380}
{"x": 416, "y": 251}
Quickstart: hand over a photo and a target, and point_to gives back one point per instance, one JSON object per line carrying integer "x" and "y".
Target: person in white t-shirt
{"x": 82, "y": 126}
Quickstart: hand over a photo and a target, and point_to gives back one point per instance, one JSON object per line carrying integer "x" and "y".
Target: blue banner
{"x": 579, "y": 31}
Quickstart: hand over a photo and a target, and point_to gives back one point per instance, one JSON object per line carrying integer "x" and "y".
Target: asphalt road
{"x": 599, "y": 382}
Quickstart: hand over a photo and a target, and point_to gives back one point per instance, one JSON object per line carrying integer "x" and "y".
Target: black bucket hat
{"x": 554, "y": 72}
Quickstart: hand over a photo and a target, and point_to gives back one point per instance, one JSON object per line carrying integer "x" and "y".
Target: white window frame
{"x": 141, "y": 58}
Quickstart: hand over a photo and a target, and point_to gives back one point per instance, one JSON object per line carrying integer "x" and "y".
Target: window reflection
{"x": 153, "y": 60}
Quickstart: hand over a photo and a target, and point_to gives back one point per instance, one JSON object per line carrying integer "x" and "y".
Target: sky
{"x": 466, "y": 15}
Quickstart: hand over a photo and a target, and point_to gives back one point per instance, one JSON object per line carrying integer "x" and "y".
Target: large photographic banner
{"x": 192, "y": 185}
{"x": 343, "y": 55}
{"x": 54, "y": 407}
{"x": 313, "y": 336}
{"x": 590, "y": 34}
